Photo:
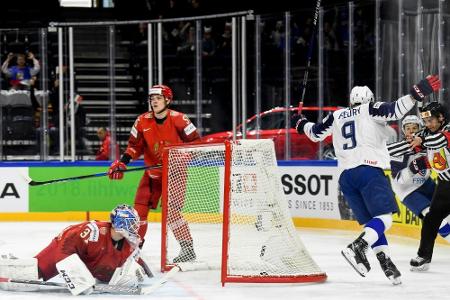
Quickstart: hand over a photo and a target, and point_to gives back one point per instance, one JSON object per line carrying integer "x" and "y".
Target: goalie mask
{"x": 125, "y": 220}
{"x": 360, "y": 95}
{"x": 411, "y": 119}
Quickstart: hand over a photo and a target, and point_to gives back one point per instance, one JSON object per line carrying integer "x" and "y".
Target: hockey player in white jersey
{"x": 359, "y": 141}
{"x": 410, "y": 182}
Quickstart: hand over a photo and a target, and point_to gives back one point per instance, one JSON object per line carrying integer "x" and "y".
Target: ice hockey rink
{"x": 25, "y": 239}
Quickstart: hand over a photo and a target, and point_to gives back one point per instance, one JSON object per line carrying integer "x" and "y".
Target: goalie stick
{"x": 34, "y": 183}
{"x": 106, "y": 288}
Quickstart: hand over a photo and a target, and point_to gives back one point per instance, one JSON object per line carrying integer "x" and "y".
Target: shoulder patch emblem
{"x": 189, "y": 129}
{"x": 93, "y": 237}
{"x": 134, "y": 132}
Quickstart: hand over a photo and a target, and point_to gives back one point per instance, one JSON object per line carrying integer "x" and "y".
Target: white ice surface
{"x": 25, "y": 239}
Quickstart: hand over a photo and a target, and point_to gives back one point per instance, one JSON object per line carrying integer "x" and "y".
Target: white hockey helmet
{"x": 411, "y": 119}
{"x": 360, "y": 95}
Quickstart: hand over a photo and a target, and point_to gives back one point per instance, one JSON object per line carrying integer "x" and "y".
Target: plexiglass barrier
{"x": 67, "y": 87}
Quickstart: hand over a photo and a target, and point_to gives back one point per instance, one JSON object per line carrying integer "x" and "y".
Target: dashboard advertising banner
{"x": 311, "y": 191}
{"x": 13, "y": 190}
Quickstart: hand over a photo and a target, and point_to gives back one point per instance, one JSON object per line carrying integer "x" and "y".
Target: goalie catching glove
{"x": 425, "y": 87}
{"x": 131, "y": 274}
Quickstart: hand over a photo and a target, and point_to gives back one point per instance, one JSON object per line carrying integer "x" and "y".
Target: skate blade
{"x": 422, "y": 268}
{"x": 349, "y": 256}
{"x": 395, "y": 281}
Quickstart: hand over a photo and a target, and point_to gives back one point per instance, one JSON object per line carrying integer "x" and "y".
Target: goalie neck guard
{"x": 125, "y": 220}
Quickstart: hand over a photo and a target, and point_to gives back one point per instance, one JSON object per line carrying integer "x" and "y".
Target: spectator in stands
{"x": 187, "y": 44}
{"x": 21, "y": 75}
{"x": 104, "y": 151}
{"x": 208, "y": 43}
{"x": 277, "y": 35}
{"x": 224, "y": 45}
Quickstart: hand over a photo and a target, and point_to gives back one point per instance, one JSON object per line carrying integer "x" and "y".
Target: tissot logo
{"x": 14, "y": 191}
{"x": 9, "y": 190}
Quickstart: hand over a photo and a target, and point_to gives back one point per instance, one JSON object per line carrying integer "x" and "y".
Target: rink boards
{"x": 310, "y": 189}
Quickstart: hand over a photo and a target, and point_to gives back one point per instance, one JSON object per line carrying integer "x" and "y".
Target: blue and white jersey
{"x": 404, "y": 182}
{"x": 360, "y": 133}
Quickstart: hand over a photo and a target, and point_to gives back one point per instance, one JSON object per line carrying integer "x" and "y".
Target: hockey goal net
{"x": 227, "y": 201}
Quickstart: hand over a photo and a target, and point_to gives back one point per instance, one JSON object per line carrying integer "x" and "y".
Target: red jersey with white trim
{"x": 149, "y": 138}
{"x": 93, "y": 244}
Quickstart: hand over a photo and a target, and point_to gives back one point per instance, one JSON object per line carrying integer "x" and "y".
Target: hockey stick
{"x": 105, "y": 288}
{"x": 309, "y": 57}
{"x": 34, "y": 183}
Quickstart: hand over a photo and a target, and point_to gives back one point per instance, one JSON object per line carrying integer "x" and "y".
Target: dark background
{"x": 28, "y": 13}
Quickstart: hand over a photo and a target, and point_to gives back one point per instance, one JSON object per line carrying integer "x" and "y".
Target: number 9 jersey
{"x": 360, "y": 132}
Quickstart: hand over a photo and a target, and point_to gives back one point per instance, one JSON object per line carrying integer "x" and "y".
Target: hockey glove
{"x": 419, "y": 164}
{"x": 425, "y": 87}
{"x": 298, "y": 122}
{"x": 115, "y": 169}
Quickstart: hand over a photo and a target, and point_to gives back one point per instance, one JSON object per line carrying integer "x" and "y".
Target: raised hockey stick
{"x": 309, "y": 57}
{"x": 106, "y": 288}
{"x": 34, "y": 183}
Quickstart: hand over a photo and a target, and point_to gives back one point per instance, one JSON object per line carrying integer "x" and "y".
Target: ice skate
{"x": 186, "y": 254}
{"x": 389, "y": 269}
{"x": 420, "y": 264}
{"x": 355, "y": 254}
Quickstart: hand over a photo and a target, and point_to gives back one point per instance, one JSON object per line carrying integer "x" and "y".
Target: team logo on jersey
{"x": 439, "y": 161}
{"x": 173, "y": 113}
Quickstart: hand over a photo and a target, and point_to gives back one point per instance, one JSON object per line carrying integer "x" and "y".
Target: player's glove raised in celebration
{"x": 114, "y": 171}
{"x": 298, "y": 122}
{"x": 425, "y": 87}
{"x": 419, "y": 164}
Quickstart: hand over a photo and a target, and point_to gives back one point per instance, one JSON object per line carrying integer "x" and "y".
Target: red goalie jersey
{"x": 93, "y": 244}
{"x": 148, "y": 136}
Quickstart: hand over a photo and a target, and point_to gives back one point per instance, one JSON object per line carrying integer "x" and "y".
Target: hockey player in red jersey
{"x": 150, "y": 133}
{"x": 87, "y": 252}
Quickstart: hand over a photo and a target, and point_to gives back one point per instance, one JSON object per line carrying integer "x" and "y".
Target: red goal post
{"x": 227, "y": 201}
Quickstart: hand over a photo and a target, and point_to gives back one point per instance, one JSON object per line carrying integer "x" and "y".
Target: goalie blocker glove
{"x": 419, "y": 164}
{"x": 425, "y": 87}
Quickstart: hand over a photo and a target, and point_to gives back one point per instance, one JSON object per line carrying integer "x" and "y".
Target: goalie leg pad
{"x": 76, "y": 275}
{"x": 18, "y": 268}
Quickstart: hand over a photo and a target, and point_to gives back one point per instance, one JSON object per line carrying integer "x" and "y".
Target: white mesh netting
{"x": 262, "y": 238}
